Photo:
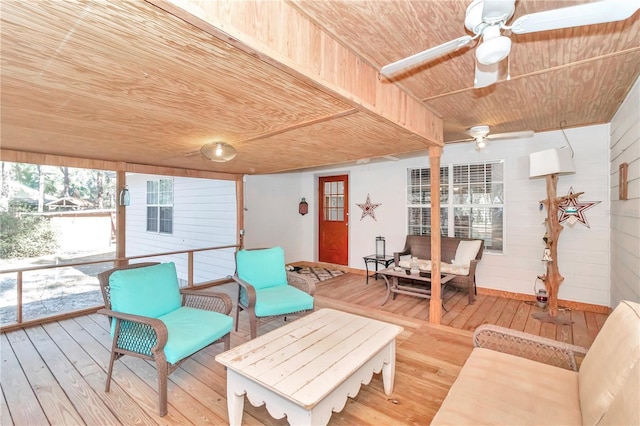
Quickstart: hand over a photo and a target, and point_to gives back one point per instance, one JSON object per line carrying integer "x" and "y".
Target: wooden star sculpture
{"x": 572, "y": 211}
{"x": 368, "y": 208}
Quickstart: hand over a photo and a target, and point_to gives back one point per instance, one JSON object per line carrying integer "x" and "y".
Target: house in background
{"x": 303, "y": 100}
{"x": 169, "y": 214}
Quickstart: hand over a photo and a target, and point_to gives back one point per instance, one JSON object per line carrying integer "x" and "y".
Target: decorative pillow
{"x": 466, "y": 252}
{"x": 263, "y": 268}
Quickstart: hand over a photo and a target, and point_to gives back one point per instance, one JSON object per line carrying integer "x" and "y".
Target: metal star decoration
{"x": 368, "y": 208}
{"x": 572, "y": 211}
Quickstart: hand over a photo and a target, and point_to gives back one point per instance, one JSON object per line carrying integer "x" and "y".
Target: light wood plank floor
{"x": 55, "y": 373}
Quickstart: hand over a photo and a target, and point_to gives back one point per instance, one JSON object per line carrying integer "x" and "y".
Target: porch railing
{"x": 117, "y": 261}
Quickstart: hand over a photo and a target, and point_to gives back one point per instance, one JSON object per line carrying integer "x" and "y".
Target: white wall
{"x": 625, "y": 214}
{"x": 271, "y": 214}
{"x": 583, "y": 252}
{"x": 204, "y": 215}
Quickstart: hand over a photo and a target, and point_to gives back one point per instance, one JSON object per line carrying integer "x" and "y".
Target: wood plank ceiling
{"x": 292, "y": 85}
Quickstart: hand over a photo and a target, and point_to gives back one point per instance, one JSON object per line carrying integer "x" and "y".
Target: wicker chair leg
{"x": 471, "y": 295}
{"x": 109, "y": 371}
{"x": 237, "y": 315}
{"x": 253, "y": 324}
{"x": 227, "y": 341}
{"x": 162, "y": 387}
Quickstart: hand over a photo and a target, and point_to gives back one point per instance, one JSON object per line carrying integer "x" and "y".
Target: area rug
{"x": 319, "y": 274}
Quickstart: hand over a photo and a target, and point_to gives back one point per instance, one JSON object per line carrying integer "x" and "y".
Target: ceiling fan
{"x": 480, "y": 134}
{"x": 488, "y": 18}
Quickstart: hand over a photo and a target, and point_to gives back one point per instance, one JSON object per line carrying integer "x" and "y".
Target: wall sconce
{"x": 303, "y": 207}
{"x": 124, "y": 198}
{"x": 380, "y": 250}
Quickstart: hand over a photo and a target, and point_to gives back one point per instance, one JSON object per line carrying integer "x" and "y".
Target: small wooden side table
{"x": 376, "y": 260}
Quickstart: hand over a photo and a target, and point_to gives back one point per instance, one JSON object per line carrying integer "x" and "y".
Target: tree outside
{"x": 52, "y": 215}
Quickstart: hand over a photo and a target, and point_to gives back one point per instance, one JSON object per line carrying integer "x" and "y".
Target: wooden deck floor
{"x": 55, "y": 373}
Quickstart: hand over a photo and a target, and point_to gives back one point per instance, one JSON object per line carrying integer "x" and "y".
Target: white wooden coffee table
{"x": 306, "y": 369}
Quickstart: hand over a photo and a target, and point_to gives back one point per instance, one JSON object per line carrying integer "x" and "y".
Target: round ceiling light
{"x": 494, "y": 50}
{"x": 218, "y": 151}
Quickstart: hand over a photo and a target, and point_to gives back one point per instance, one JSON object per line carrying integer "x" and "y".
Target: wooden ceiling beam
{"x": 280, "y": 35}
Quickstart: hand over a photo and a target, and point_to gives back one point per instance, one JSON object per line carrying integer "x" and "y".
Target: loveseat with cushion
{"x": 459, "y": 256}
{"x": 514, "y": 378}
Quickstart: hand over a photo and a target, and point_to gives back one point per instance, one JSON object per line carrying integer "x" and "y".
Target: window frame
{"x": 161, "y": 199}
{"x": 449, "y": 204}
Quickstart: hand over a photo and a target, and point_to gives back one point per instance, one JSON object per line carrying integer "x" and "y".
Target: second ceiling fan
{"x": 480, "y": 134}
{"x": 488, "y": 18}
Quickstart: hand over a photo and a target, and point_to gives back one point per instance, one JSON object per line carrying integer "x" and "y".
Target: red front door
{"x": 333, "y": 226}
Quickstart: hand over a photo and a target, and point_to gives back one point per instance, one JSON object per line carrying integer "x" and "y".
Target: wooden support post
{"x": 435, "y": 304}
{"x": 121, "y": 216}
{"x": 190, "y": 269}
{"x": 240, "y": 211}
{"x": 19, "y": 296}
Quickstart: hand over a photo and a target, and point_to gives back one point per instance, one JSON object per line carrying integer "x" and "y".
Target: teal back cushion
{"x": 150, "y": 291}
{"x": 262, "y": 268}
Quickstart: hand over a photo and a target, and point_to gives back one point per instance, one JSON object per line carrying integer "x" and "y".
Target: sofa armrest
{"x": 302, "y": 283}
{"x": 138, "y": 334}
{"x": 528, "y": 346}
{"x": 472, "y": 267}
{"x": 217, "y": 302}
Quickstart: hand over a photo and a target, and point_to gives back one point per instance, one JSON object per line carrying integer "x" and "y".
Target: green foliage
{"x": 25, "y": 236}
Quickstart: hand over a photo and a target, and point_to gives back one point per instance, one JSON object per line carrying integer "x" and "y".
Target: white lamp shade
{"x": 556, "y": 160}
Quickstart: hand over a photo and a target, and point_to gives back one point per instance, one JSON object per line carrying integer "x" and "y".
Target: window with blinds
{"x": 160, "y": 206}
{"x": 471, "y": 202}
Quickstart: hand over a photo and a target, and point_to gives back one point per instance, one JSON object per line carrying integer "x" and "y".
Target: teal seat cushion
{"x": 262, "y": 268}
{"x": 192, "y": 329}
{"x": 281, "y": 300}
{"x": 150, "y": 291}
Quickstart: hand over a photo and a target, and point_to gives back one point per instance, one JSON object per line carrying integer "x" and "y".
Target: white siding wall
{"x": 204, "y": 215}
{"x": 625, "y": 215}
{"x": 272, "y": 217}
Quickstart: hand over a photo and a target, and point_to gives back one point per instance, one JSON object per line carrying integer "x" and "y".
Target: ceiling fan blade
{"x": 497, "y": 10}
{"x": 460, "y": 140}
{"x": 512, "y": 135}
{"x": 427, "y": 55}
{"x": 486, "y": 75}
{"x": 574, "y": 16}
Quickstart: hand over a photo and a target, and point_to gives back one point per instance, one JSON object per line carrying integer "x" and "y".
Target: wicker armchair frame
{"x": 146, "y": 337}
{"x": 528, "y": 346}
{"x": 295, "y": 280}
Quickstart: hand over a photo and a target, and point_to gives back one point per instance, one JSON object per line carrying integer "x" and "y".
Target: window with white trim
{"x": 160, "y": 206}
{"x": 471, "y": 202}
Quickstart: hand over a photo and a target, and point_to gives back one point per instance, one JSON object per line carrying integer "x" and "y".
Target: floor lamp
{"x": 550, "y": 164}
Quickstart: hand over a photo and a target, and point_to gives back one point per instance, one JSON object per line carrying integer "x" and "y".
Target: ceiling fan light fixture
{"x": 219, "y": 152}
{"x": 494, "y": 50}
{"x": 481, "y": 143}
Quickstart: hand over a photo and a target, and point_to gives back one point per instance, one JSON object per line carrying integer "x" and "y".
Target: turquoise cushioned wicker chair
{"x": 153, "y": 318}
{"x": 267, "y": 290}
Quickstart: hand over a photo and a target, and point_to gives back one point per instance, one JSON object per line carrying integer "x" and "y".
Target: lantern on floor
{"x": 380, "y": 247}
{"x": 303, "y": 207}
